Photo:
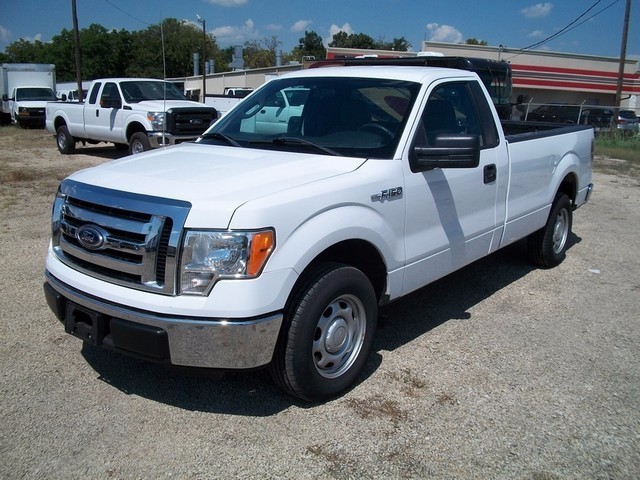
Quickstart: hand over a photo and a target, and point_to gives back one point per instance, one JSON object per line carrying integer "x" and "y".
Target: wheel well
{"x": 58, "y": 122}
{"x": 569, "y": 187}
{"x": 134, "y": 127}
{"x": 361, "y": 255}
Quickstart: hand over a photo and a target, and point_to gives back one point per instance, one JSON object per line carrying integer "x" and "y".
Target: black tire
{"x": 548, "y": 246}
{"x": 138, "y": 143}
{"x": 65, "y": 141}
{"x": 327, "y": 333}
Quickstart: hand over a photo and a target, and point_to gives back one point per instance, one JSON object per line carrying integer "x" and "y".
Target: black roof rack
{"x": 463, "y": 63}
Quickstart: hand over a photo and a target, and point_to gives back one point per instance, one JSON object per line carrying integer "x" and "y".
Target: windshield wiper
{"x": 222, "y": 137}
{"x": 298, "y": 141}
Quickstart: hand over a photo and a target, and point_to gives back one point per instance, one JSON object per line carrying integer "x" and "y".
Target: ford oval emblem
{"x": 91, "y": 237}
{"x": 196, "y": 121}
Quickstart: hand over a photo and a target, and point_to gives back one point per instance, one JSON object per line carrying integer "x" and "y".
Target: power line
{"x": 127, "y": 13}
{"x": 570, "y": 26}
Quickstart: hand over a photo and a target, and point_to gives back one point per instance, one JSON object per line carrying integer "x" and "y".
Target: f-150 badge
{"x": 387, "y": 194}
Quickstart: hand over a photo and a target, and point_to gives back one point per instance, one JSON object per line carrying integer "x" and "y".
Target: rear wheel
{"x": 548, "y": 246}
{"x": 138, "y": 143}
{"x": 327, "y": 333}
{"x": 65, "y": 141}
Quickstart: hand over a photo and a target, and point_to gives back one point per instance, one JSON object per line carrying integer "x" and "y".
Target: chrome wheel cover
{"x": 560, "y": 231}
{"x": 339, "y": 336}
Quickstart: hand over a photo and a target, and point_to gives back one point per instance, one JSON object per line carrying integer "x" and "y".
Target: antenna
{"x": 164, "y": 81}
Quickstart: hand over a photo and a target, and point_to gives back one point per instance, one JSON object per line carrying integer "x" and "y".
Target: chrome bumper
{"x": 195, "y": 342}
{"x": 163, "y": 139}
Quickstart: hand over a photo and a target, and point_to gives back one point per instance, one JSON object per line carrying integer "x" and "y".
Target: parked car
{"x": 599, "y": 117}
{"x": 628, "y": 122}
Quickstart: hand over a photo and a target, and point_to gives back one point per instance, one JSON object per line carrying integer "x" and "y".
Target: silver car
{"x": 628, "y": 122}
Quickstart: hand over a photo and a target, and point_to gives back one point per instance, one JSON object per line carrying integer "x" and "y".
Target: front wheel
{"x": 548, "y": 246}
{"x": 138, "y": 143}
{"x": 65, "y": 141}
{"x": 327, "y": 333}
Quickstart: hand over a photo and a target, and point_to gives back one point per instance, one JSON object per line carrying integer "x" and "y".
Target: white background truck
{"x": 229, "y": 99}
{"x": 134, "y": 113}
{"x": 25, "y": 89}
{"x": 248, "y": 249}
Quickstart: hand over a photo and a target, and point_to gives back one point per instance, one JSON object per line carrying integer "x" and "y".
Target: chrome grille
{"x": 126, "y": 239}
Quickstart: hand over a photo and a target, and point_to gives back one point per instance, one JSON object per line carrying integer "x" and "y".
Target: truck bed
{"x": 519, "y": 131}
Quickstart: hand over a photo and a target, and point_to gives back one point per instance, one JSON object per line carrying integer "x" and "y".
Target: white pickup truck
{"x": 250, "y": 248}
{"x": 134, "y": 113}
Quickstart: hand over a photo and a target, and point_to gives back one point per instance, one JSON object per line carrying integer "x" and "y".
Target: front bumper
{"x": 195, "y": 342}
{"x": 164, "y": 139}
{"x": 31, "y": 118}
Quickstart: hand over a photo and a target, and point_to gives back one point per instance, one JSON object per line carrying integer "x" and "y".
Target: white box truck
{"x": 26, "y": 88}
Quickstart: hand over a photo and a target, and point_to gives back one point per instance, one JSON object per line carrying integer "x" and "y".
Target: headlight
{"x": 23, "y": 111}
{"x": 211, "y": 255}
{"x": 157, "y": 119}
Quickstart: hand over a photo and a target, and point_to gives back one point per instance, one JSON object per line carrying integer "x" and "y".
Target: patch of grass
{"x": 616, "y": 146}
{"x": 378, "y": 406}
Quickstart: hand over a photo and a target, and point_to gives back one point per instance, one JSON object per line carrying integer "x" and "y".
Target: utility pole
{"x": 623, "y": 55}
{"x": 76, "y": 45}
{"x": 204, "y": 58}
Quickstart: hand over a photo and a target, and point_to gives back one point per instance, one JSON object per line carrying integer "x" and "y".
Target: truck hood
{"x": 216, "y": 180}
{"x": 161, "y": 106}
{"x": 31, "y": 103}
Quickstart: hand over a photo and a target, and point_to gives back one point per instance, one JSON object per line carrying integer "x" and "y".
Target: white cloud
{"x": 300, "y": 25}
{"x": 229, "y": 34}
{"x": 273, "y": 27}
{"x": 5, "y": 34}
{"x": 537, "y": 10}
{"x": 444, "y": 33}
{"x": 536, "y": 34}
{"x": 346, "y": 28}
{"x": 228, "y": 3}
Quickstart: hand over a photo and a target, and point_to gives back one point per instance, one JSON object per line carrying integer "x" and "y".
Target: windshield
{"x": 35, "y": 93}
{"x": 358, "y": 117}
{"x": 140, "y": 90}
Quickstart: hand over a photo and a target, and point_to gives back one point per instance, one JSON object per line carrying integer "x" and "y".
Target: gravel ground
{"x": 498, "y": 371}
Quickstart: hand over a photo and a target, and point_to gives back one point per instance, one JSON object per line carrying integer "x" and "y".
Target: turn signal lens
{"x": 261, "y": 246}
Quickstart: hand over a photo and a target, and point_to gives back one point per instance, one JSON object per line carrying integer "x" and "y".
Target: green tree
{"x": 102, "y": 52}
{"x": 398, "y": 44}
{"x": 364, "y": 41}
{"x": 475, "y": 41}
{"x": 25, "y": 51}
{"x": 310, "y": 45}
{"x": 255, "y": 56}
{"x": 181, "y": 40}
{"x": 61, "y": 54}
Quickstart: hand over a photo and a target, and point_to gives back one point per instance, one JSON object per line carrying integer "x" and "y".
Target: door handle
{"x": 490, "y": 173}
{"x": 97, "y": 112}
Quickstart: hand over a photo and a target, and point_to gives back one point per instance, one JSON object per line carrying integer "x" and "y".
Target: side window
{"x": 94, "y": 93}
{"x": 276, "y": 100}
{"x": 110, "y": 95}
{"x": 450, "y": 110}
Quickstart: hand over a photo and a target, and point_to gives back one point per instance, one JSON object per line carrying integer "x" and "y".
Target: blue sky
{"x": 512, "y": 23}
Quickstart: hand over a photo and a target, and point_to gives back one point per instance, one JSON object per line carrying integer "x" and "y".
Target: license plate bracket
{"x": 84, "y": 324}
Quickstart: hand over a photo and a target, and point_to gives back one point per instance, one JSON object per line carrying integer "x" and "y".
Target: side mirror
{"x": 63, "y": 97}
{"x": 5, "y": 97}
{"x": 448, "y": 151}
